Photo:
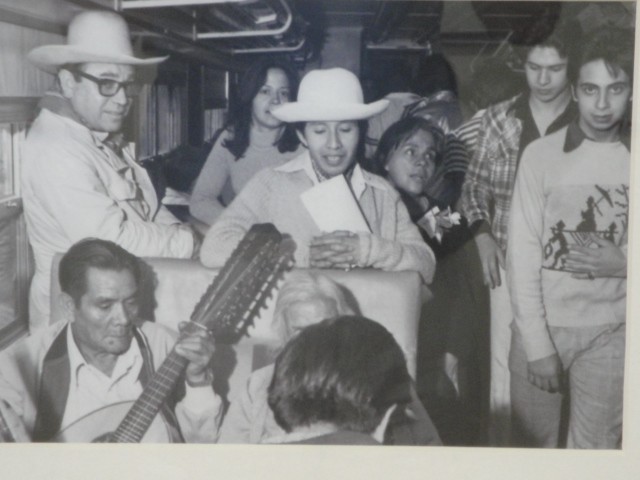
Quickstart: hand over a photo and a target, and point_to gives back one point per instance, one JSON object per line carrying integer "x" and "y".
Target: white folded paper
{"x": 333, "y": 206}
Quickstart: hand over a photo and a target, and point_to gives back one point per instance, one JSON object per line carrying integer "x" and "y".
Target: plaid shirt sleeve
{"x": 477, "y": 198}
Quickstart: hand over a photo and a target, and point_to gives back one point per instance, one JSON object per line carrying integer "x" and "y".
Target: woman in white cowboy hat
{"x": 78, "y": 180}
{"x": 327, "y": 114}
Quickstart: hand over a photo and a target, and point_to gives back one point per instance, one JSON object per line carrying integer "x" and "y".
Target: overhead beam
{"x": 252, "y": 33}
{"x": 22, "y": 19}
{"x": 202, "y": 53}
{"x": 137, "y": 4}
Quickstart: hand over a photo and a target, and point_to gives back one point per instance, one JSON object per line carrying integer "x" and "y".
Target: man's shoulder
{"x": 549, "y": 144}
{"x": 33, "y": 346}
{"x": 376, "y": 181}
{"x": 502, "y": 109}
{"x": 54, "y": 129}
{"x": 293, "y": 171}
{"x": 54, "y": 141}
{"x": 542, "y": 154}
{"x": 273, "y": 179}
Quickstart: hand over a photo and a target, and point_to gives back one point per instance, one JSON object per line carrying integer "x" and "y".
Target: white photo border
{"x": 178, "y": 462}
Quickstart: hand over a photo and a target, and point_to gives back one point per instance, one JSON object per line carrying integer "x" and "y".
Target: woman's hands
{"x": 339, "y": 249}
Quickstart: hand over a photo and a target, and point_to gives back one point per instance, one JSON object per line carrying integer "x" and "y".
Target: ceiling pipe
{"x": 138, "y": 4}
{"x": 292, "y": 48}
{"x": 201, "y": 52}
{"x": 252, "y": 33}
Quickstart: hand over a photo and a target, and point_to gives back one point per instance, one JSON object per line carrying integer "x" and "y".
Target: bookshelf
{"x": 185, "y": 106}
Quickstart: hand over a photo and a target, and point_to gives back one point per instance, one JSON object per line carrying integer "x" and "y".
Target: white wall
{"x": 18, "y": 78}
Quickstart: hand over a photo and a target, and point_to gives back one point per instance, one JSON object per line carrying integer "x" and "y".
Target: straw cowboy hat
{"x": 94, "y": 36}
{"x": 333, "y": 94}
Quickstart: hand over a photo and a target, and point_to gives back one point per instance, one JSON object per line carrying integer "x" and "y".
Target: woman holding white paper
{"x": 329, "y": 117}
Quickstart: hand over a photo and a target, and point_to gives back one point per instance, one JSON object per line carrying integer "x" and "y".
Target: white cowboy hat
{"x": 333, "y": 94}
{"x": 94, "y": 36}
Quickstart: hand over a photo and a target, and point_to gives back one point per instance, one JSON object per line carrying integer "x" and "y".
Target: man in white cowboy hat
{"x": 78, "y": 179}
{"x": 329, "y": 117}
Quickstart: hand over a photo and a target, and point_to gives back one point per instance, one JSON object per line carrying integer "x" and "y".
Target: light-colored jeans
{"x": 593, "y": 372}
{"x": 499, "y": 396}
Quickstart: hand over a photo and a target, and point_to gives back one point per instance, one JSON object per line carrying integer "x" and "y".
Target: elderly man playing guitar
{"x": 75, "y": 380}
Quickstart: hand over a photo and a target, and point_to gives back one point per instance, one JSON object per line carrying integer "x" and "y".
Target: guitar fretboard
{"x": 136, "y": 423}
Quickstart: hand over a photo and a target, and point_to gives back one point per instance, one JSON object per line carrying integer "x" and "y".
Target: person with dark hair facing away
{"x": 103, "y": 354}
{"x": 492, "y": 82}
{"x": 506, "y": 129}
{"x": 567, "y": 273}
{"x": 304, "y": 299}
{"x": 338, "y": 382}
{"x": 433, "y": 95}
{"x": 253, "y": 139}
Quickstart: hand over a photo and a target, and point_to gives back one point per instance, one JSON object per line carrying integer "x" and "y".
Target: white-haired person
{"x": 329, "y": 116}
{"x": 307, "y": 298}
{"x": 304, "y": 299}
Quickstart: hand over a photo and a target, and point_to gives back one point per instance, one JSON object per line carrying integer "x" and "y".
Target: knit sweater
{"x": 565, "y": 195}
{"x": 273, "y": 195}
{"x": 225, "y": 175}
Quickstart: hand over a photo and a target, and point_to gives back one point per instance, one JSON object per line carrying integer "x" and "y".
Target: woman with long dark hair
{"x": 252, "y": 140}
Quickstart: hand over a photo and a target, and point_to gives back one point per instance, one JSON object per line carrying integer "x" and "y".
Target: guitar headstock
{"x": 245, "y": 282}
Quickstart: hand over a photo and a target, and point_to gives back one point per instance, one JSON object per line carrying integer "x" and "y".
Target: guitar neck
{"x": 137, "y": 421}
{"x": 227, "y": 308}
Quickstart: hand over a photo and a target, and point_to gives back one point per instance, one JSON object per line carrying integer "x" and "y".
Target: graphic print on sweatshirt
{"x": 603, "y": 213}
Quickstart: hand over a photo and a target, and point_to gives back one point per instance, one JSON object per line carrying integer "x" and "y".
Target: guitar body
{"x": 97, "y": 425}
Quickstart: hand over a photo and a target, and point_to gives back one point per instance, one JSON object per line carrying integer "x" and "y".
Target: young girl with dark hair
{"x": 252, "y": 140}
{"x": 427, "y": 168}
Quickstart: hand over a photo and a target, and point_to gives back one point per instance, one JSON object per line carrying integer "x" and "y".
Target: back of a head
{"x": 435, "y": 74}
{"x": 493, "y": 81}
{"x": 345, "y": 371}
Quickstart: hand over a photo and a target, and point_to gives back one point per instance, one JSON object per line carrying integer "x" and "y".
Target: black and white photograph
{"x": 278, "y": 230}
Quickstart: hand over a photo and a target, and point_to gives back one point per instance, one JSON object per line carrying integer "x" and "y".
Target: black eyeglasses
{"x": 108, "y": 87}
